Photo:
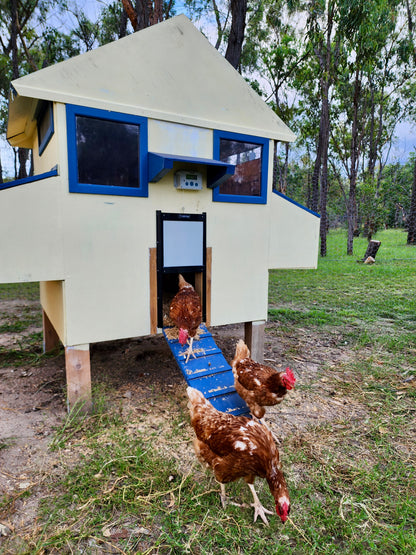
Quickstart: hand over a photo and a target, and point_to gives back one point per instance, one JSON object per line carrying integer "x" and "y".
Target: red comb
{"x": 290, "y": 376}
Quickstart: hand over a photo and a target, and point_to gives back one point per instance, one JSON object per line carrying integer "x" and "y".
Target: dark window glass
{"x": 45, "y": 126}
{"x": 107, "y": 152}
{"x": 247, "y": 158}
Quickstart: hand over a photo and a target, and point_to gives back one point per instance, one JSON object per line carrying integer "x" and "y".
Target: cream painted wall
{"x": 107, "y": 239}
{"x": 52, "y": 299}
{"x": 30, "y": 223}
{"x": 294, "y": 235}
{"x": 92, "y": 251}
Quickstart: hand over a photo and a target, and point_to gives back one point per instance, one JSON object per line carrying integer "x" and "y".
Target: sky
{"x": 406, "y": 133}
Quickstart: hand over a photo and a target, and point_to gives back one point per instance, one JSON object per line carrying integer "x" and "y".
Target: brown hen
{"x": 238, "y": 447}
{"x": 186, "y": 313}
{"x": 259, "y": 385}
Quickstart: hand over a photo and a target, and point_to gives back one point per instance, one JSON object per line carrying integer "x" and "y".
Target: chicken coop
{"x": 152, "y": 156}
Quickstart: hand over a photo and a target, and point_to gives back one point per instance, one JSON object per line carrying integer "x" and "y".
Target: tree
{"x": 366, "y": 28}
{"x": 411, "y": 230}
{"x": 411, "y": 233}
{"x": 147, "y": 12}
{"x": 238, "y": 10}
{"x": 326, "y": 53}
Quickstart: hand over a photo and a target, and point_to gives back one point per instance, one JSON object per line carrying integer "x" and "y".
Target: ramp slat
{"x": 209, "y": 372}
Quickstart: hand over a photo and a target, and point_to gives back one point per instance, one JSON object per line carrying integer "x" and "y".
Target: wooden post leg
{"x": 50, "y": 337}
{"x": 78, "y": 377}
{"x": 254, "y": 338}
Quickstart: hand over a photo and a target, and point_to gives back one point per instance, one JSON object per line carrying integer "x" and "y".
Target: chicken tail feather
{"x": 182, "y": 281}
{"x": 241, "y": 351}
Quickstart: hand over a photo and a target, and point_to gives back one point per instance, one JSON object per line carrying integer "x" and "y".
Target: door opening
{"x": 181, "y": 249}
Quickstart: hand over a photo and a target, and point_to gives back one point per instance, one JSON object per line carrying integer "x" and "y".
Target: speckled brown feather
{"x": 258, "y": 384}
{"x": 185, "y": 308}
{"x": 234, "y": 446}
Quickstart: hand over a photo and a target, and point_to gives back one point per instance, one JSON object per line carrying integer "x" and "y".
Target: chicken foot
{"x": 259, "y": 510}
{"x": 189, "y": 351}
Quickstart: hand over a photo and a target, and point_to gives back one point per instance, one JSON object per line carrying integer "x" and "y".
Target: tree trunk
{"x": 23, "y": 155}
{"x": 123, "y": 25}
{"x": 316, "y": 174}
{"x": 411, "y": 222}
{"x": 325, "y": 85}
{"x": 13, "y": 38}
{"x": 372, "y": 249}
{"x": 351, "y": 210}
{"x": 236, "y": 38}
{"x": 324, "y": 172}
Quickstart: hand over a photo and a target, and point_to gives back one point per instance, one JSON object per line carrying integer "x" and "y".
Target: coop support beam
{"x": 254, "y": 338}
{"x": 78, "y": 377}
{"x": 153, "y": 289}
{"x": 50, "y": 337}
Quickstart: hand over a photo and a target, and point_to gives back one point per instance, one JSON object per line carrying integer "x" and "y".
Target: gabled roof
{"x": 168, "y": 71}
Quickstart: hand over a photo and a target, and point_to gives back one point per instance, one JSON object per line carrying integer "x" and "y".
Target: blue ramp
{"x": 209, "y": 372}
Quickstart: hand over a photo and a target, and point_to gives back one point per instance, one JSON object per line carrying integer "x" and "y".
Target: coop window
{"x": 250, "y": 156}
{"x": 45, "y": 126}
{"x": 107, "y": 152}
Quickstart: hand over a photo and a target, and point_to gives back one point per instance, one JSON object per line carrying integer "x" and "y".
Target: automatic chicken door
{"x": 181, "y": 249}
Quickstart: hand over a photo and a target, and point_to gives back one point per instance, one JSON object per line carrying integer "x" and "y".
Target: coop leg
{"x": 78, "y": 377}
{"x": 254, "y": 338}
{"x": 50, "y": 337}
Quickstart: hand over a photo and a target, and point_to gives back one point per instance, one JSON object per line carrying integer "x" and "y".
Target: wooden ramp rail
{"x": 209, "y": 372}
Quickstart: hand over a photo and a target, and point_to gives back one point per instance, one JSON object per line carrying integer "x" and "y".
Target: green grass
{"x": 352, "y": 479}
{"x": 343, "y": 292}
{"x": 28, "y": 291}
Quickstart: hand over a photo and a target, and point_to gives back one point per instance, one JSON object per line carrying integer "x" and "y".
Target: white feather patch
{"x": 240, "y": 446}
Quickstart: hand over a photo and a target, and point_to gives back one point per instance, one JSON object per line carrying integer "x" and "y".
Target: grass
{"x": 352, "y": 478}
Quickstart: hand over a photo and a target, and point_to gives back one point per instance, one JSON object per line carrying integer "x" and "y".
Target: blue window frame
{"x": 107, "y": 152}
{"x": 45, "y": 126}
{"x": 250, "y": 155}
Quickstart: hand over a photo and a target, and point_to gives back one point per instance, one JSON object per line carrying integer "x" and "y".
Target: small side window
{"x": 250, "y": 156}
{"x": 107, "y": 152}
{"x": 45, "y": 126}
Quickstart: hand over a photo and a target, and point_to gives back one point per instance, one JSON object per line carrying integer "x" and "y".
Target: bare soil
{"x": 144, "y": 382}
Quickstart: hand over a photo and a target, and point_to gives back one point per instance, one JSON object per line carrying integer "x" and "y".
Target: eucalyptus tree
{"x": 230, "y": 18}
{"x": 324, "y": 47}
{"x": 411, "y": 93}
{"x": 366, "y": 27}
{"x": 273, "y": 54}
{"x": 145, "y": 13}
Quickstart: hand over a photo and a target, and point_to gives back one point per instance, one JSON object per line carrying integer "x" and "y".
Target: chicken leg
{"x": 225, "y": 501}
{"x": 189, "y": 350}
{"x": 259, "y": 510}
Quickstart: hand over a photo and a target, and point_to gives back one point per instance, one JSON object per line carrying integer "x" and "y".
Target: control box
{"x": 187, "y": 180}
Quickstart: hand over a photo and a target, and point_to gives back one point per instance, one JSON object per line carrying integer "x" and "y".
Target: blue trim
{"x": 49, "y": 132}
{"x": 247, "y": 199}
{"x": 160, "y": 164}
{"x": 279, "y": 194}
{"x": 30, "y": 179}
{"x": 74, "y": 186}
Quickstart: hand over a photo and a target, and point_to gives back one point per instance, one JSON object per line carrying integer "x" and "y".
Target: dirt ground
{"x": 143, "y": 378}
